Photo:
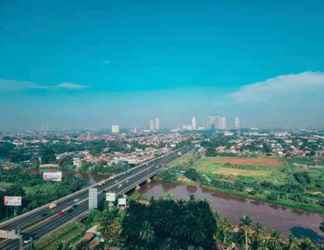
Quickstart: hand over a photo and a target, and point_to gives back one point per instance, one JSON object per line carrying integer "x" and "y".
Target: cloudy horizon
{"x": 66, "y": 66}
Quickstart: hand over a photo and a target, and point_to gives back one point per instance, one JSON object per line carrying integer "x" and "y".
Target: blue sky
{"x": 88, "y": 64}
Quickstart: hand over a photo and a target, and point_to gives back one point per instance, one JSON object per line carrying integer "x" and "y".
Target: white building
{"x": 222, "y": 124}
{"x": 157, "y": 123}
{"x": 151, "y": 125}
{"x": 237, "y": 123}
{"x": 194, "y": 123}
{"x": 218, "y": 122}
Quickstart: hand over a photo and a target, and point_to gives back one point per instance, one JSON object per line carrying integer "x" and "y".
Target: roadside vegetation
{"x": 70, "y": 234}
{"x": 33, "y": 189}
{"x": 266, "y": 179}
{"x": 166, "y": 224}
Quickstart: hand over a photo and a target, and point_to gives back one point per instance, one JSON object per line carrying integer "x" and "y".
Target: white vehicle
{"x": 76, "y": 200}
{"x": 52, "y": 205}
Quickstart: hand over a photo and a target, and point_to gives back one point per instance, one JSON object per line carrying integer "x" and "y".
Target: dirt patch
{"x": 240, "y": 172}
{"x": 259, "y": 161}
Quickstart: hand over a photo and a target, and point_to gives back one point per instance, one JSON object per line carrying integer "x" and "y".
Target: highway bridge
{"x": 41, "y": 221}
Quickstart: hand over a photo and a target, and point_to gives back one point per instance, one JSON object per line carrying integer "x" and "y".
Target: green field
{"x": 267, "y": 179}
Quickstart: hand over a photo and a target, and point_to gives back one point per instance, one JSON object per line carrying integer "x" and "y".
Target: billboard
{"x": 111, "y": 197}
{"x": 12, "y": 201}
{"x": 11, "y": 235}
{"x": 122, "y": 202}
{"x": 115, "y": 129}
{"x": 52, "y": 176}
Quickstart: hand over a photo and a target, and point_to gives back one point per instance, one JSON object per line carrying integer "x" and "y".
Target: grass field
{"x": 262, "y": 178}
{"x": 231, "y": 167}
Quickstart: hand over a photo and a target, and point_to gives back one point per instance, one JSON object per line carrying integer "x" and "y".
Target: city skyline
{"x": 75, "y": 66}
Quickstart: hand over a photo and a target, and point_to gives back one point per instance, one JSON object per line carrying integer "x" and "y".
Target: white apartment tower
{"x": 194, "y": 123}
{"x": 157, "y": 123}
{"x": 151, "y": 125}
{"x": 222, "y": 122}
{"x": 237, "y": 123}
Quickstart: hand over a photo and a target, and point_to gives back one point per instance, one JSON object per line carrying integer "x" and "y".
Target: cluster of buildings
{"x": 213, "y": 122}
{"x": 282, "y": 143}
{"x": 154, "y": 124}
{"x": 141, "y": 148}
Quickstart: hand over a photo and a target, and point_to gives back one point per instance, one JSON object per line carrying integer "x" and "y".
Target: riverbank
{"x": 271, "y": 181}
{"x": 286, "y": 221}
{"x": 299, "y": 208}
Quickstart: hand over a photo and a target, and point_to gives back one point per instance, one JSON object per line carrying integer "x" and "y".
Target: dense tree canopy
{"x": 169, "y": 224}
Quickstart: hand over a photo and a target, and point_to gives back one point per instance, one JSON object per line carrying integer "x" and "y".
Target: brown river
{"x": 281, "y": 219}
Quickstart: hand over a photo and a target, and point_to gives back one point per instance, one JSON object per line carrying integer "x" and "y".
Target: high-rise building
{"x": 218, "y": 122}
{"x": 151, "y": 125}
{"x": 222, "y": 122}
{"x": 157, "y": 123}
{"x": 115, "y": 129}
{"x": 194, "y": 123}
{"x": 237, "y": 123}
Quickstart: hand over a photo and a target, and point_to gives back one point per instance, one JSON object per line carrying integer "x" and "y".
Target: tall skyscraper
{"x": 151, "y": 125}
{"x": 237, "y": 123}
{"x": 194, "y": 123}
{"x": 157, "y": 123}
{"x": 222, "y": 122}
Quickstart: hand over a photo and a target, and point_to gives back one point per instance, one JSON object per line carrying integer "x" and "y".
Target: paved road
{"x": 120, "y": 184}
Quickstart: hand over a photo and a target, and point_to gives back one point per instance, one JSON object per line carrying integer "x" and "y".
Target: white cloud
{"x": 303, "y": 84}
{"x": 70, "y": 85}
{"x": 13, "y": 85}
{"x": 287, "y": 101}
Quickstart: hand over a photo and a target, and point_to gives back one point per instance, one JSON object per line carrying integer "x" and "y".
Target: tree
{"x": 245, "y": 224}
{"x": 63, "y": 246}
{"x": 48, "y": 155}
{"x": 321, "y": 227}
{"x": 82, "y": 245}
{"x": 167, "y": 223}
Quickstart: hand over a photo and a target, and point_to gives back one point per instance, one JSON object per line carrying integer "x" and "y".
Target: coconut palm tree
{"x": 292, "y": 243}
{"x": 245, "y": 224}
{"x": 147, "y": 233}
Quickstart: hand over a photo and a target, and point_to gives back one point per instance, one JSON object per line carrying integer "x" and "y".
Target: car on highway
{"x": 45, "y": 213}
{"x": 61, "y": 213}
{"x": 70, "y": 210}
{"x": 27, "y": 239}
{"x": 52, "y": 205}
{"x": 76, "y": 200}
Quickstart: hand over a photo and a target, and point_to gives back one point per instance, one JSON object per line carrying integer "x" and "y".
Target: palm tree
{"x": 257, "y": 241}
{"x": 293, "y": 243}
{"x": 63, "y": 246}
{"x": 245, "y": 224}
{"x": 147, "y": 233}
{"x": 274, "y": 242}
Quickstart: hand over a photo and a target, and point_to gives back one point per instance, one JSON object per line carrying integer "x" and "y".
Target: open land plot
{"x": 240, "y": 172}
{"x": 259, "y": 161}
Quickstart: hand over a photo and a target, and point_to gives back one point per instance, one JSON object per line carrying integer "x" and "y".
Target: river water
{"x": 281, "y": 219}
